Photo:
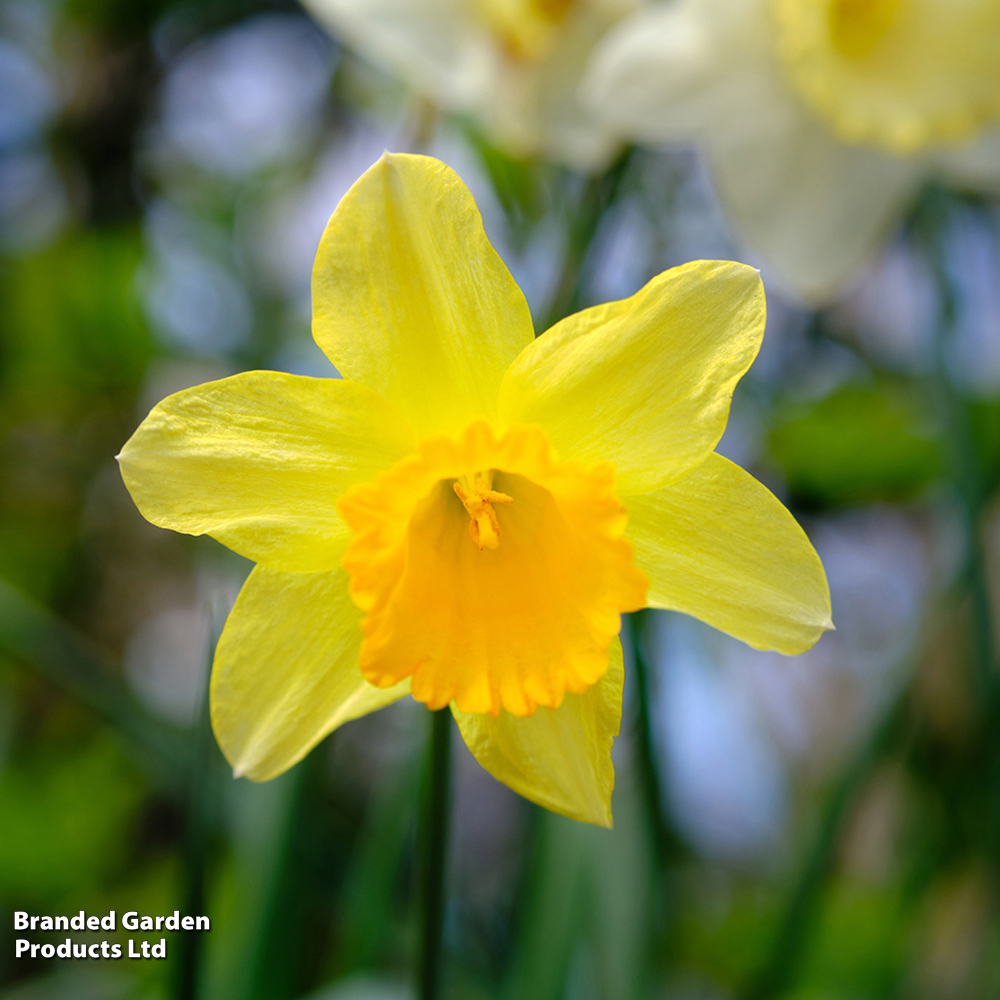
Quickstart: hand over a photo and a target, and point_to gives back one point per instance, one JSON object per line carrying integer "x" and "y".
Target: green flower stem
{"x": 661, "y": 837}
{"x": 435, "y": 849}
{"x": 287, "y": 871}
{"x": 667, "y": 846}
{"x": 597, "y": 196}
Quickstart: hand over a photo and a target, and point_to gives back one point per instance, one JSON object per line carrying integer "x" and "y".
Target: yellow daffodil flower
{"x": 821, "y": 119}
{"x": 466, "y": 514}
{"x": 513, "y": 65}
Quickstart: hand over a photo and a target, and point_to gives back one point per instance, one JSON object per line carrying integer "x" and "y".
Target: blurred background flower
{"x": 820, "y": 121}
{"x": 513, "y": 65}
{"x": 815, "y": 828}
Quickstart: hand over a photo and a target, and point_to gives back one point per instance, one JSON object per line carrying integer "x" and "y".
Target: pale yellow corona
{"x": 899, "y": 74}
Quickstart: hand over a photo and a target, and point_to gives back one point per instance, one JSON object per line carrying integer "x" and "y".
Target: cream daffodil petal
{"x": 719, "y": 546}
{"x": 644, "y": 382}
{"x": 559, "y": 758}
{"x": 286, "y": 670}
{"x": 259, "y": 460}
{"x": 410, "y": 298}
{"x": 677, "y": 71}
{"x": 813, "y": 207}
{"x": 436, "y": 45}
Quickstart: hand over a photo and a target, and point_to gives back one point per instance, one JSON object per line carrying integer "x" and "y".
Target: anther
{"x": 484, "y": 529}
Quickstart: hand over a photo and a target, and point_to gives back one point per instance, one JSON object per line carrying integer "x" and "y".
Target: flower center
{"x": 901, "y": 75}
{"x": 857, "y": 26}
{"x": 478, "y": 500}
{"x": 489, "y": 626}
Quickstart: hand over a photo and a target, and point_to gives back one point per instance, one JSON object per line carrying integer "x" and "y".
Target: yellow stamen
{"x": 478, "y": 500}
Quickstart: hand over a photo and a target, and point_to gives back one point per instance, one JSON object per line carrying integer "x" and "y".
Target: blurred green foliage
{"x": 860, "y": 947}
{"x": 66, "y": 819}
{"x": 74, "y": 349}
{"x": 723, "y": 931}
{"x": 864, "y": 443}
{"x": 984, "y": 424}
{"x": 73, "y": 330}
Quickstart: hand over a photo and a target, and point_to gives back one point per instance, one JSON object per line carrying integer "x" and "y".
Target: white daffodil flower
{"x": 513, "y": 65}
{"x": 820, "y": 118}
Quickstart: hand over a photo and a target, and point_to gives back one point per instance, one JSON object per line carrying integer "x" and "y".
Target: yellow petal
{"x": 410, "y": 299}
{"x": 258, "y": 462}
{"x": 559, "y": 758}
{"x": 645, "y": 382}
{"x": 286, "y": 670}
{"x": 508, "y": 606}
{"x": 721, "y": 547}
